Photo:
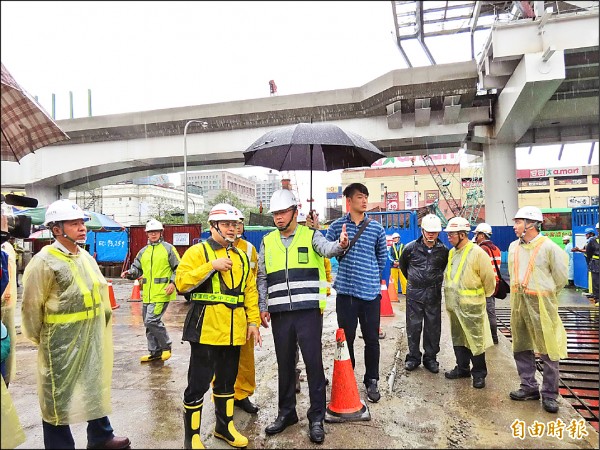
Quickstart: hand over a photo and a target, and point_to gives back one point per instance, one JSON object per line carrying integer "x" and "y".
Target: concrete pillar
{"x": 500, "y": 183}
{"x": 45, "y": 194}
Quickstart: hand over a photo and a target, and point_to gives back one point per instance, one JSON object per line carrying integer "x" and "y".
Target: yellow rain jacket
{"x": 9, "y": 300}
{"x": 66, "y": 312}
{"x": 210, "y": 321}
{"x": 538, "y": 271}
{"x": 12, "y": 431}
{"x": 469, "y": 279}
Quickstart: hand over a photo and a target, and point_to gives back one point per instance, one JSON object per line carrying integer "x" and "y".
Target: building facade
{"x": 265, "y": 189}
{"x": 135, "y": 204}
{"x": 213, "y": 182}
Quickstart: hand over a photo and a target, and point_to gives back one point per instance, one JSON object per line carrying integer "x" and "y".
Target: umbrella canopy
{"x": 25, "y": 125}
{"x": 41, "y": 234}
{"x": 311, "y": 146}
{"x": 96, "y": 222}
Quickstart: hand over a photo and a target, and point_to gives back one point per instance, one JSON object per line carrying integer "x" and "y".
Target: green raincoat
{"x": 468, "y": 280}
{"x": 538, "y": 272}
{"x": 66, "y": 312}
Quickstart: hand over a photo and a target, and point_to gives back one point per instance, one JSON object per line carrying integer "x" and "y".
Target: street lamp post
{"x": 385, "y": 200}
{"x": 185, "y": 192}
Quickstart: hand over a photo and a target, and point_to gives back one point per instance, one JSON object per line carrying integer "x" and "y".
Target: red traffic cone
{"x": 111, "y": 294}
{"x": 345, "y": 404}
{"x": 385, "y": 309}
{"x": 135, "y": 292}
{"x": 392, "y": 291}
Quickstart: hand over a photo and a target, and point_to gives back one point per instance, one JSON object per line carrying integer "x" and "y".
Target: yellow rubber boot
{"x": 153, "y": 356}
{"x": 166, "y": 354}
{"x": 224, "y": 427}
{"x": 192, "y": 418}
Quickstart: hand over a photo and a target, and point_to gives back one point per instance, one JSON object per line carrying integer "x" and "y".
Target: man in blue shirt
{"x": 358, "y": 282}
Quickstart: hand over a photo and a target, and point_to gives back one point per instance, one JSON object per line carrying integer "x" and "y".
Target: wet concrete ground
{"x": 423, "y": 410}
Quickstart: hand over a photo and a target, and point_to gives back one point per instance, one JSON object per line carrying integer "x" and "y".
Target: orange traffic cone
{"x": 345, "y": 404}
{"x": 385, "y": 309}
{"x": 111, "y": 294}
{"x": 392, "y": 291}
{"x": 135, "y": 292}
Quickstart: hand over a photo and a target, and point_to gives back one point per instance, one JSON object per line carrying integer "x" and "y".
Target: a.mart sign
{"x": 547, "y": 173}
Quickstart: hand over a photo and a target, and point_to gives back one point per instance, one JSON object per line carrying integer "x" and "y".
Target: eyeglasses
{"x": 452, "y": 233}
{"x": 229, "y": 224}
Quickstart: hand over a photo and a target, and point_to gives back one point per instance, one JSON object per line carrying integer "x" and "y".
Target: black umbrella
{"x": 308, "y": 146}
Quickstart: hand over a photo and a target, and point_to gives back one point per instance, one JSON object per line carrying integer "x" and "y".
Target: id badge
{"x": 302, "y": 255}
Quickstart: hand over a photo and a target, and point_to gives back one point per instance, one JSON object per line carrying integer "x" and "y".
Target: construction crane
{"x": 474, "y": 196}
{"x": 442, "y": 185}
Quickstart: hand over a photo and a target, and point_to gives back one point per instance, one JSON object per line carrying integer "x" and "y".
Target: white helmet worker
{"x": 62, "y": 210}
{"x": 281, "y": 200}
{"x": 301, "y": 217}
{"x": 223, "y": 211}
{"x": 483, "y": 228}
{"x": 566, "y": 238}
{"x": 431, "y": 223}
{"x": 154, "y": 225}
{"x": 530, "y": 213}
{"x": 395, "y": 235}
{"x": 458, "y": 224}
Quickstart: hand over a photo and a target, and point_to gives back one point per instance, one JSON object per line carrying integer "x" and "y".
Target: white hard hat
{"x": 154, "y": 225}
{"x": 301, "y": 216}
{"x": 223, "y": 211}
{"x": 239, "y": 213}
{"x": 458, "y": 224}
{"x": 281, "y": 200}
{"x": 431, "y": 223}
{"x": 395, "y": 235}
{"x": 529, "y": 213}
{"x": 483, "y": 228}
{"x": 64, "y": 210}
{"x": 566, "y": 237}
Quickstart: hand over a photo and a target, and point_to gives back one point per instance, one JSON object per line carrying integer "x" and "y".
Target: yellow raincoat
{"x": 9, "y": 300}
{"x": 12, "y": 431}
{"x": 216, "y": 324}
{"x": 538, "y": 272}
{"x": 66, "y": 312}
{"x": 468, "y": 280}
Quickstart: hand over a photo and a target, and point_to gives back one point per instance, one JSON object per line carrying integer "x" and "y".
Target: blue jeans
{"x": 59, "y": 436}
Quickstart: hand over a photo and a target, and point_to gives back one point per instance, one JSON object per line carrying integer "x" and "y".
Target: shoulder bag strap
{"x": 356, "y": 236}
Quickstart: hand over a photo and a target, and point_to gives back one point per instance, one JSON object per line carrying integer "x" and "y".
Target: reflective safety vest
{"x": 453, "y": 281}
{"x": 296, "y": 276}
{"x": 524, "y": 285}
{"x": 216, "y": 291}
{"x": 157, "y": 273}
{"x": 92, "y": 300}
{"x": 397, "y": 251}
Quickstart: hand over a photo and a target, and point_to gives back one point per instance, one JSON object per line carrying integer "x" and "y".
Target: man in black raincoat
{"x": 423, "y": 263}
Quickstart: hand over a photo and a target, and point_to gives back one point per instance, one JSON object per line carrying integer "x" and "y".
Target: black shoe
{"x": 246, "y": 405}
{"x": 281, "y": 423}
{"x": 478, "y": 383}
{"x": 550, "y": 404}
{"x": 316, "y": 432}
{"x": 411, "y": 365}
{"x": 432, "y": 366}
{"x": 495, "y": 340}
{"x": 522, "y": 395}
{"x": 373, "y": 394}
{"x": 457, "y": 373}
